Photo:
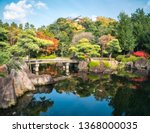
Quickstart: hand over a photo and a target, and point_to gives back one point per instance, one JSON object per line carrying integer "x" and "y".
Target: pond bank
{"x": 18, "y": 82}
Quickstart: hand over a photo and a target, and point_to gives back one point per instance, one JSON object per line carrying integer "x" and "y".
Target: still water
{"x": 88, "y": 94}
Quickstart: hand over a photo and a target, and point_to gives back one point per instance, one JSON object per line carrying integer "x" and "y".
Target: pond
{"x": 124, "y": 93}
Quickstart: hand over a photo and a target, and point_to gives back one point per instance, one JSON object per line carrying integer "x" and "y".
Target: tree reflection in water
{"x": 28, "y": 105}
{"x": 124, "y": 93}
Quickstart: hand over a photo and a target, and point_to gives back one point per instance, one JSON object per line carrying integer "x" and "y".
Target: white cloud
{"x": 21, "y": 10}
{"x": 41, "y": 5}
{"x": 17, "y": 11}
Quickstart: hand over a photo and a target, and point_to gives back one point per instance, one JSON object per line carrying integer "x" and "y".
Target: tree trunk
{"x": 110, "y": 56}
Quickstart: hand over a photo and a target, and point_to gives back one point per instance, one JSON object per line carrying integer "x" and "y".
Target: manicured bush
{"x": 131, "y": 59}
{"x": 94, "y": 64}
{"x": 141, "y": 54}
{"x": 120, "y": 57}
{"x": 97, "y": 63}
{"x": 125, "y": 59}
{"x": 81, "y": 57}
{"x": 107, "y": 64}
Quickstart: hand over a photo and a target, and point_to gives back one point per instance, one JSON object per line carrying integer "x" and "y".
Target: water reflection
{"x": 29, "y": 105}
{"x": 124, "y": 93}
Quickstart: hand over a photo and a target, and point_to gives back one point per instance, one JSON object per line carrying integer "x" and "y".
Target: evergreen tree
{"x": 125, "y": 33}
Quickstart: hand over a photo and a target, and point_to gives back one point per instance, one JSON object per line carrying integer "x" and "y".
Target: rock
{"x": 61, "y": 78}
{"x": 83, "y": 66}
{"x": 39, "y": 80}
{"x": 129, "y": 65}
{"x": 22, "y": 83}
{"x": 7, "y": 92}
{"x": 114, "y": 64}
{"x": 14, "y": 85}
{"x": 142, "y": 63}
{"x": 98, "y": 69}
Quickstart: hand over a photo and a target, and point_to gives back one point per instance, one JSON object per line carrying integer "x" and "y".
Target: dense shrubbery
{"x": 125, "y": 59}
{"x": 80, "y": 37}
{"x": 4, "y": 58}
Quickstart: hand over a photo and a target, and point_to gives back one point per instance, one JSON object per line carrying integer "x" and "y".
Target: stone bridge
{"x": 65, "y": 61}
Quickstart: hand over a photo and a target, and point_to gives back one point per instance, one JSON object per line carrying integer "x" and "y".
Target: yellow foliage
{"x": 105, "y": 21}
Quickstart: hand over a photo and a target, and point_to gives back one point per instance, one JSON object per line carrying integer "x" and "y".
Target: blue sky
{"x": 44, "y": 12}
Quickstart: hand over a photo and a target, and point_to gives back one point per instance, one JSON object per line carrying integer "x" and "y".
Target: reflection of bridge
{"x": 65, "y": 61}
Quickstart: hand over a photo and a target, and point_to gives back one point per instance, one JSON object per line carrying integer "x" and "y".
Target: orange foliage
{"x": 51, "y": 48}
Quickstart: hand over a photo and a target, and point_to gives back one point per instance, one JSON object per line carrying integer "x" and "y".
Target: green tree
{"x": 84, "y": 49}
{"x": 21, "y": 26}
{"x": 4, "y": 45}
{"x": 27, "y": 26}
{"x": 125, "y": 33}
{"x": 29, "y": 44}
{"x": 141, "y": 24}
{"x": 3, "y": 34}
{"x": 112, "y": 47}
{"x": 14, "y": 25}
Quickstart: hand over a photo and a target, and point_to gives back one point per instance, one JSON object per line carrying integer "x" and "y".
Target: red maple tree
{"x": 141, "y": 54}
{"x": 51, "y": 48}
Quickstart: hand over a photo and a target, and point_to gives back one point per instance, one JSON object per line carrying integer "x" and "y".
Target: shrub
{"x": 2, "y": 74}
{"x": 131, "y": 59}
{"x": 97, "y": 63}
{"x": 81, "y": 57}
{"x": 120, "y": 57}
{"x": 94, "y": 64}
{"x": 4, "y": 58}
{"x": 124, "y": 59}
{"x": 13, "y": 64}
{"x": 107, "y": 64}
{"x": 93, "y": 77}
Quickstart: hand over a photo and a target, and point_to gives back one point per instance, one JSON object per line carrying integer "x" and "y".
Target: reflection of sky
{"x": 70, "y": 104}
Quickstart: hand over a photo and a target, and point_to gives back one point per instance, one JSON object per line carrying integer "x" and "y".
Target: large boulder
{"x": 142, "y": 63}
{"x": 7, "y": 92}
{"x": 22, "y": 83}
{"x": 113, "y": 64}
{"x": 129, "y": 65}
